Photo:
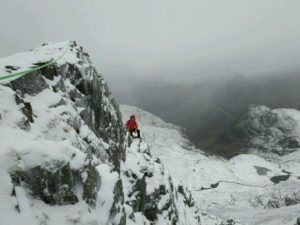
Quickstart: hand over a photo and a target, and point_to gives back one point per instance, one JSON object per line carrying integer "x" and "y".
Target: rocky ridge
{"x": 65, "y": 155}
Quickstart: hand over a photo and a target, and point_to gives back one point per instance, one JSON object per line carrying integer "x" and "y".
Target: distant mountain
{"x": 262, "y": 131}
{"x": 209, "y": 108}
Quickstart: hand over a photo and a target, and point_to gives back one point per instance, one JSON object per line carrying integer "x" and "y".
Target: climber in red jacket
{"x": 133, "y": 127}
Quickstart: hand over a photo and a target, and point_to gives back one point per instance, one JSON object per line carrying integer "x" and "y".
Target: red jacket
{"x": 131, "y": 124}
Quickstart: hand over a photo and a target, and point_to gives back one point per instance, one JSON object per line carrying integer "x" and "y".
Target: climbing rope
{"x": 32, "y": 69}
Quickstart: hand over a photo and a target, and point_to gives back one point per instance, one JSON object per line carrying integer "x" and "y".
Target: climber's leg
{"x": 138, "y": 133}
{"x": 131, "y": 133}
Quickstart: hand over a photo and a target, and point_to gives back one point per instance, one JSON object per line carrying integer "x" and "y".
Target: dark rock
{"x": 262, "y": 171}
{"x": 31, "y": 84}
{"x": 140, "y": 188}
{"x": 55, "y": 187}
{"x": 298, "y": 221}
{"x": 118, "y": 202}
{"x": 171, "y": 183}
{"x": 214, "y": 185}
{"x": 188, "y": 199}
{"x": 230, "y": 222}
{"x": 180, "y": 189}
{"x": 59, "y": 86}
{"x": 274, "y": 204}
{"x": 157, "y": 160}
{"x": 26, "y": 109}
{"x": 148, "y": 203}
{"x": 289, "y": 142}
{"x": 162, "y": 189}
{"x": 18, "y": 98}
{"x": 287, "y": 172}
{"x": 291, "y": 200}
{"x": 150, "y": 207}
{"x": 9, "y": 68}
{"x": 17, "y": 207}
{"x": 24, "y": 124}
{"x": 61, "y": 102}
{"x": 277, "y": 179}
{"x": 91, "y": 184}
{"x": 50, "y": 71}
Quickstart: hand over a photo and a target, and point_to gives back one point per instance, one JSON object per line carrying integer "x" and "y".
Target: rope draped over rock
{"x": 33, "y": 69}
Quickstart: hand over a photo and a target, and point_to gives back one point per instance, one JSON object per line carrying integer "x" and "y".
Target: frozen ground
{"x": 247, "y": 193}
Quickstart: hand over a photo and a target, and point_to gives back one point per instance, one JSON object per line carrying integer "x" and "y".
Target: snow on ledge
{"x": 49, "y": 51}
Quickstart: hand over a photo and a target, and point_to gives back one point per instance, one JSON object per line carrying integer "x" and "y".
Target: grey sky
{"x": 150, "y": 37}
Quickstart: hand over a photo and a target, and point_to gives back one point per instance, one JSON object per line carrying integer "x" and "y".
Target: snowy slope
{"x": 65, "y": 157}
{"x": 247, "y": 195}
{"x": 49, "y": 174}
{"x": 49, "y": 51}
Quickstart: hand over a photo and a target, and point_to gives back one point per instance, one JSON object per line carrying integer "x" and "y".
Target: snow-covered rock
{"x": 259, "y": 130}
{"x": 247, "y": 188}
{"x": 263, "y": 131}
{"x": 65, "y": 157}
{"x": 272, "y": 131}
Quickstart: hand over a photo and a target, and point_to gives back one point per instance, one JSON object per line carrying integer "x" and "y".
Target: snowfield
{"x": 245, "y": 193}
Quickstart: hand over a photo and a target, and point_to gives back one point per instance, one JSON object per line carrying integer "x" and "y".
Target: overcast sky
{"x": 151, "y": 37}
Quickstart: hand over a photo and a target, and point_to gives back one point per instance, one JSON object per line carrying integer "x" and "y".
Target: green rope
{"x": 33, "y": 69}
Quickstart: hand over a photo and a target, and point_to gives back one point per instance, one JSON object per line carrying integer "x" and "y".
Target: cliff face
{"x": 65, "y": 155}
{"x": 263, "y": 131}
{"x": 272, "y": 131}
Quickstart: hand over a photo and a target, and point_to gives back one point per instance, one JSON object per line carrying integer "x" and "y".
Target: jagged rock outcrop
{"x": 272, "y": 131}
{"x": 298, "y": 221}
{"x": 63, "y": 145}
{"x": 262, "y": 130}
{"x": 284, "y": 194}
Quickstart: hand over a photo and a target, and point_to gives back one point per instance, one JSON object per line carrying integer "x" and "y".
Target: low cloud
{"x": 150, "y": 38}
